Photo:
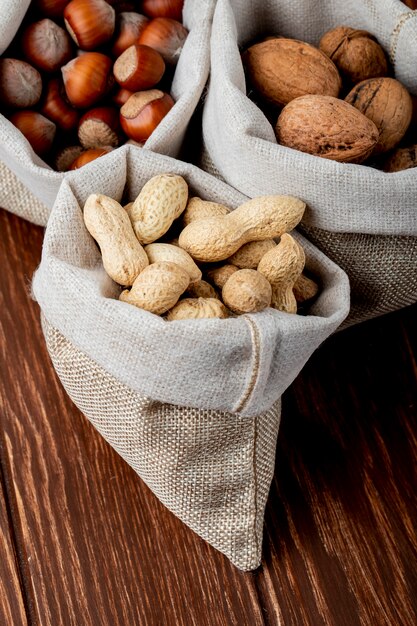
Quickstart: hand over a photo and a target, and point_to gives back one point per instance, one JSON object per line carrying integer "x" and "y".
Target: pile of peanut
{"x": 222, "y": 263}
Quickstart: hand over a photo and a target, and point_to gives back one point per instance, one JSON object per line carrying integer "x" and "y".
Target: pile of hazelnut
{"x": 83, "y": 76}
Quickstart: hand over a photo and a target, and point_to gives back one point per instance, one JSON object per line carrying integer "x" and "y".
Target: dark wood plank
{"x": 97, "y": 547}
{"x": 341, "y": 543}
{"x": 12, "y": 608}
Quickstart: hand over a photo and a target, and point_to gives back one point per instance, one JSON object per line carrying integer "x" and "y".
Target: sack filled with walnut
{"x": 320, "y": 99}
{"x": 80, "y": 78}
{"x": 180, "y": 362}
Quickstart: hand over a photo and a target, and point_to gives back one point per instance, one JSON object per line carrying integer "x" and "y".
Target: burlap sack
{"x": 193, "y": 406}
{"x": 189, "y": 80}
{"x": 362, "y": 218}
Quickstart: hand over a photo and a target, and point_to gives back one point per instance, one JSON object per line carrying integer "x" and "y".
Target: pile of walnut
{"x": 336, "y": 101}
{"x": 81, "y": 76}
{"x": 223, "y": 262}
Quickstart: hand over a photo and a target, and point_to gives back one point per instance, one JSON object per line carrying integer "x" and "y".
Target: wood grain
{"x": 12, "y": 608}
{"x": 343, "y": 503}
{"x": 96, "y": 547}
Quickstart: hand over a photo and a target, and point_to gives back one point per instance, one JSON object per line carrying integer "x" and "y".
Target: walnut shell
{"x": 401, "y": 159}
{"x": 326, "y": 127}
{"x": 388, "y": 104}
{"x": 356, "y": 53}
{"x": 283, "y": 69}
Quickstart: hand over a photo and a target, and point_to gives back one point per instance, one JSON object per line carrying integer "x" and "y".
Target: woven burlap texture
{"x": 212, "y": 469}
{"x": 190, "y": 77}
{"x": 133, "y": 373}
{"x": 18, "y": 199}
{"x": 345, "y": 199}
{"x": 382, "y": 270}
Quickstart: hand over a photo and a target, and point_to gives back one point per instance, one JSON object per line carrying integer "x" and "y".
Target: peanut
{"x": 219, "y": 275}
{"x": 197, "y": 308}
{"x": 201, "y": 289}
{"x": 305, "y": 289}
{"x": 281, "y": 267}
{"x": 167, "y": 252}
{"x": 158, "y": 288}
{"x": 161, "y": 201}
{"x": 198, "y": 209}
{"x": 128, "y": 209}
{"x": 265, "y": 217}
{"x": 107, "y": 221}
{"x": 247, "y": 291}
{"x": 249, "y": 255}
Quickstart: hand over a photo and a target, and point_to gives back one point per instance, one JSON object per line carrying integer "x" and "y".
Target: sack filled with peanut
{"x": 324, "y": 109}
{"x": 179, "y": 363}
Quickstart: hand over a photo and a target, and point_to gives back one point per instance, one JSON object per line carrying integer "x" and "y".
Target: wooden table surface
{"x": 84, "y": 541}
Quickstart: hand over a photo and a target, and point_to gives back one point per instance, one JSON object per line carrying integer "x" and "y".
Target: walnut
{"x": 282, "y": 69}
{"x": 326, "y": 127}
{"x": 356, "y": 53}
{"x": 401, "y": 159}
{"x": 388, "y": 104}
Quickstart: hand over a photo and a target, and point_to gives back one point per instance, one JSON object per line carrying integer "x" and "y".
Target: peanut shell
{"x": 158, "y": 287}
{"x": 161, "y": 201}
{"x": 107, "y": 221}
{"x": 198, "y": 209}
{"x": 247, "y": 291}
{"x": 167, "y": 252}
{"x": 201, "y": 289}
{"x": 249, "y": 255}
{"x": 197, "y": 308}
{"x": 219, "y": 275}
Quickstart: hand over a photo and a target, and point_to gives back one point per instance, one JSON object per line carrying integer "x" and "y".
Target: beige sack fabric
{"x": 363, "y": 218}
{"x": 189, "y": 80}
{"x": 192, "y": 405}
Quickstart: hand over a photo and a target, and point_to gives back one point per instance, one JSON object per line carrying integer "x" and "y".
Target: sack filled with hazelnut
{"x": 190, "y": 401}
{"x": 80, "y": 78}
{"x": 320, "y": 99}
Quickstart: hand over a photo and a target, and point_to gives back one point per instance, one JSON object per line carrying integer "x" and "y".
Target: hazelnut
{"x": 38, "y": 130}
{"x": 66, "y": 157}
{"x": 100, "y": 127}
{"x": 143, "y": 112}
{"x": 46, "y": 45}
{"x": 51, "y": 8}
{"x": 88, "y": 156}
{"x": 129, "y": 26}
{"x": 87, "y": 79}
{"x": 56, "y": 107}
{"x": 139, "y": 67}
{"x": 356, "y": 53}
{"x": 166, "y": 36}
{"x": 90, "y": 23}
{"x": 121, "y": 96}
{"x": 20, "y": 84}
{"x": 163, "y": 8}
